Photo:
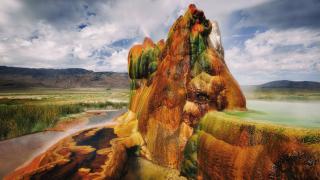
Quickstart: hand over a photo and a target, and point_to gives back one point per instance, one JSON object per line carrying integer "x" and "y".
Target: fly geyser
{"x": 175, "y": 127}
{"x": 174, "y": 83}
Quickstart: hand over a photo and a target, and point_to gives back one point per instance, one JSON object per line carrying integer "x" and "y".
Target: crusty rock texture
{"x": 178, "y": 88}
{"x": 176, "y": 82}
{"x": 173, "y": 84}
{"x": 90, "y": 154}
{"x": 226, "y": 147}
{"x": 97, "y": 153}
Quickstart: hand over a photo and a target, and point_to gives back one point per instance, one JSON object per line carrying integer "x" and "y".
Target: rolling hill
{"x": 284, "y": 90}
{"x": 309, "y": 85}
{"x": 20, "y": 78}
{"x": 284, "y": 85}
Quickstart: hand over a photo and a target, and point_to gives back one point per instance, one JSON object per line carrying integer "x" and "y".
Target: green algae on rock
{"x": 178, "y": 87}
{"x": 143, "y": 60}
{"x": 226, "y": 146}
{"x": 191, "y": 78}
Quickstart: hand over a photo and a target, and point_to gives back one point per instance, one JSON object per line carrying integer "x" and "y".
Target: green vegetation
{"x": 17, "y": 120}
{"x": 33, "y": 111}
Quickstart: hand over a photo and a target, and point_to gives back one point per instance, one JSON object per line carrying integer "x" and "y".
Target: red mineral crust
{"x": 191, "y": 79}
{"x": 178, "y": 88}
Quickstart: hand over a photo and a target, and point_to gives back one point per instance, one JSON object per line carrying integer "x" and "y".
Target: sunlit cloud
{"x": 279, "y": 53}
{"x": 97, "y": 34}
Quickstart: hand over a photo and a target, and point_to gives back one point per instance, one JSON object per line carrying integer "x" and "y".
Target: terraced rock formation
{"x": 176, "y": 82}
{"x": 178, "y": 88}
{"x": 226, "y": 147}
{"x": 86, "y": 155}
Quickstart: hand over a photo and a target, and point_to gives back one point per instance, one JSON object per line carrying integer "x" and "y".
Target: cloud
{"x": 62, "y": 34}
{"x": 6, "y": 8}
{"x": 262, "y": 38}
{"x": 86, "y": 34}
{"x": 118, "y": 60}
{"x": 281, "y": 14}
{"x": 275, "y": 55}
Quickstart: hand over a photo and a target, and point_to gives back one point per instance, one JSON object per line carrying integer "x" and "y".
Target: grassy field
{"x": 33, "y": 110}
{"x": 24, "y": 112}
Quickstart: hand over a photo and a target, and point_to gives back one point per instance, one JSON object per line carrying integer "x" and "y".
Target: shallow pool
{"x": 298, "y": 114}
{"x": 17, "y": 151}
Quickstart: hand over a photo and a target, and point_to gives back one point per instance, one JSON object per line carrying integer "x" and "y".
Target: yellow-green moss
{"x": 189, "y": 165}
{"x": 142, "y": 66}
{"x": 229, "y": 129}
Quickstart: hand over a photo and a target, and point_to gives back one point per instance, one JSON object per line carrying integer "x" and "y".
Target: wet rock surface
{"x": 224, "y": 147}
{"x": 85, "y": 155}
{"x": 189, "y": 78}
{"x": 176, "y": 85}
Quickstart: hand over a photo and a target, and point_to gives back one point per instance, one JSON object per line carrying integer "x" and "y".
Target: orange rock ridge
{"x": 191, "y": 79}
{"x": 175, "y": 85}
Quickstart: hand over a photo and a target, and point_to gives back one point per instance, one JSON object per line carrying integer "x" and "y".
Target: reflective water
{"x": 298, "y": 114}
{"x": 17, "y": 151}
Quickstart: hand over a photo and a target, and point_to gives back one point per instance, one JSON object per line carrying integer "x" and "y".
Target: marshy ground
{"x": 34, "y": 110}
{"x": 42, "y": 109}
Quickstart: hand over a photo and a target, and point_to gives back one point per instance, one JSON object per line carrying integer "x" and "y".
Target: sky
{"x": 264, "y": 40}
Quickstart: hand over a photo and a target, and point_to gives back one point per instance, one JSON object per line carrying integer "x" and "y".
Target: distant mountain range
{"x": 19, "y": 78}
{"x": 310, "y": 85}
{"x": 284, "y": 85}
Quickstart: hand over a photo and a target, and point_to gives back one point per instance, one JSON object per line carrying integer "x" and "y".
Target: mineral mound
{"x": 175, "y": 82}
{"x": 174, "y": 125}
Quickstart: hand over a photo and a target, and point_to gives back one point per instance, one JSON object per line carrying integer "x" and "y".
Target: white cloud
{"x": 117, "y": 61}
{"x": 34, "y": 42}
{"x": 6, "y": 8}
{"x": 318, "y": 66}
{"x": 37, "y": 35}
{"x": 272, "y": 54}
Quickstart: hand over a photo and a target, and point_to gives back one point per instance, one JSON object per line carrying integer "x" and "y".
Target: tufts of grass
{"x": 18, "y": 119}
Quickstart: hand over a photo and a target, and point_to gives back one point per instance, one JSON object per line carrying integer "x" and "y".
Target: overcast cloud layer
{"x": 264, "y": 40}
